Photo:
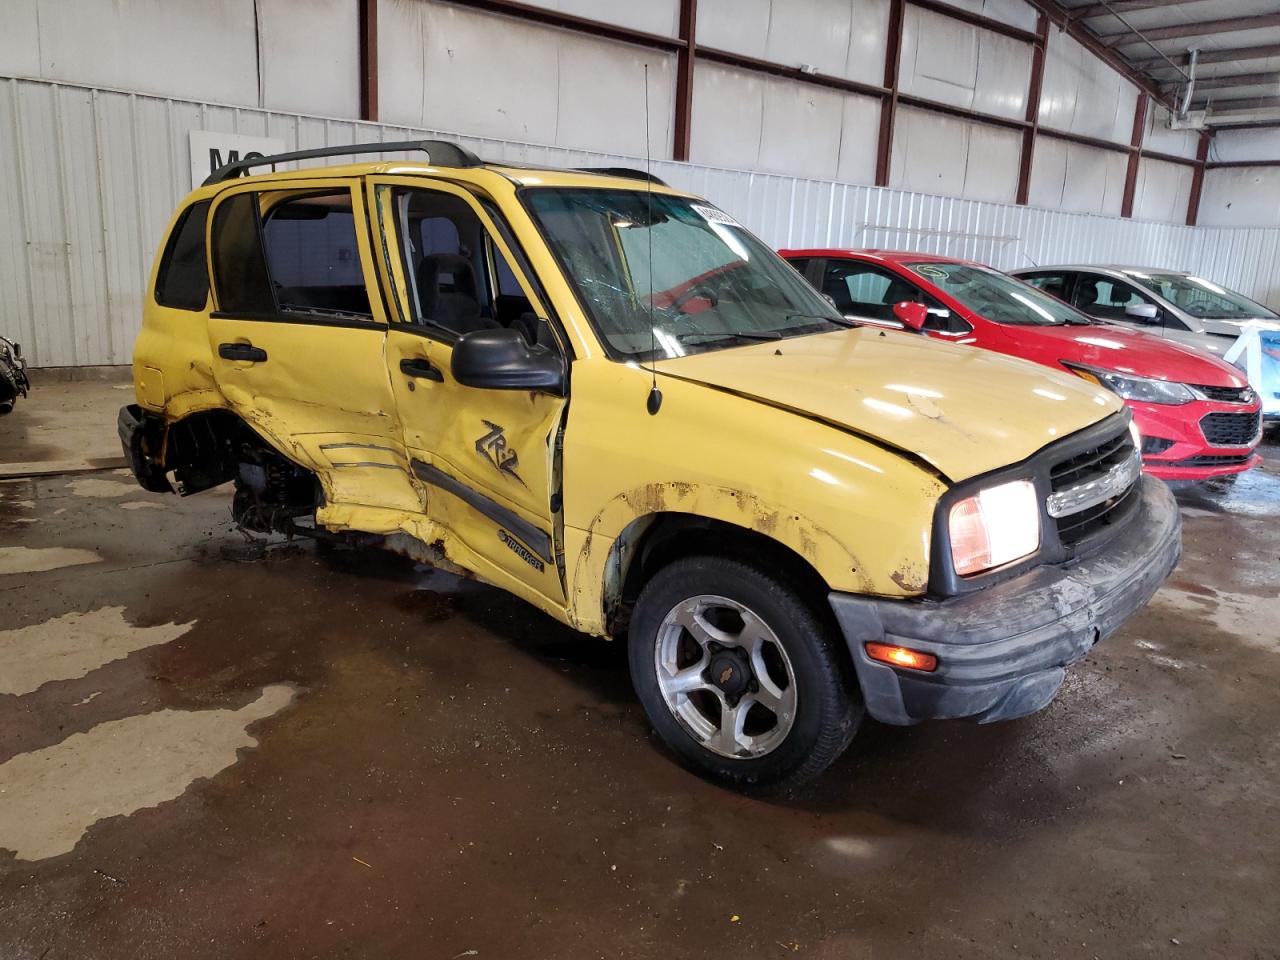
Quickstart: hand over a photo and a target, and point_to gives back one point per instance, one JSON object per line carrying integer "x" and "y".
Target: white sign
{"x": 209, "y": 151}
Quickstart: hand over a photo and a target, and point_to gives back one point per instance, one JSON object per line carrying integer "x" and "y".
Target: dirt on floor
{"x": 210, "y": 749}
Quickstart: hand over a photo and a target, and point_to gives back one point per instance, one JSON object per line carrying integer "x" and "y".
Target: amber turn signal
{"x": 902, "y": 657}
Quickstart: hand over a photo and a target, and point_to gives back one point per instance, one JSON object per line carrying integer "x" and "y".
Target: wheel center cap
{"x": 729, "y": 672}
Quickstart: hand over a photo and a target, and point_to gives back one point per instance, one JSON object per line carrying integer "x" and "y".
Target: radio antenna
{"x": 654, "y": 403}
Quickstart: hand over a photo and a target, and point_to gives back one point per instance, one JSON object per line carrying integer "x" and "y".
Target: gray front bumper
{"x": 1002, "y": 651}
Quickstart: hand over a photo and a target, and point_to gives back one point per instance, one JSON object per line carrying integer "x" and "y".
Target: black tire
{"x": 828, "y": 704}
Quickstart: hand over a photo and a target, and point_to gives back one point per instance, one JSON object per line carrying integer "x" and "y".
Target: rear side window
{"x": 183, "y": 280}
{"x": 312, "y": 256}
{"x": 239, "y": 270}
{"x": 1055, "y": 284}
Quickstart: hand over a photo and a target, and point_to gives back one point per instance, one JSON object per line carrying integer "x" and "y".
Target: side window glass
{"x": 183, "y": 280}
{"x": 458, "y": 278}
{"x": 868, "y": 292}
{"x": 1054, "y": 284}
{"x": 801, "y": 264}
{"x": 1105, "y": 298}
{"x": 239, "y": 268}
{"x": 312, "y": 255}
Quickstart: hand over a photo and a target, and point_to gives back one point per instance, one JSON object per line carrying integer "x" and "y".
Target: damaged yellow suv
{"x": 610, "y": 399}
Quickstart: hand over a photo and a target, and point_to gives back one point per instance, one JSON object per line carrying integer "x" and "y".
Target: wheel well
{"x": 651, "y": 542}
{"x": 207, "y": 449}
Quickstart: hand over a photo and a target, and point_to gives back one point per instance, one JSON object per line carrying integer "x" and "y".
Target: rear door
{"x": 486, "y": 461}
{"x": 298, "y": 335}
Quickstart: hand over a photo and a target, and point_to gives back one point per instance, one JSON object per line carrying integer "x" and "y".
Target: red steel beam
{"x": 684, "y": 79}
{"x": 1064, "y": 18}
{"x": 1034, "y": 89}
{"x": 976, "y": 20}
{"x": 1197, "y": 179}
{"x": 1203, "y": 28}
{"x": 889, "y": 106}
{"x": 756, "y": 65}
{"x": 1118, "y": 6}
{"x": 1135, "y": 155}
{"x": 368, "y": 12}
{"x": 567, "y": 21}
{"x": 1227, "y": 164}
{"x": 1234, "y": 55}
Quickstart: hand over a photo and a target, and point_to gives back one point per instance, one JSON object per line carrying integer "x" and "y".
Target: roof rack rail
{"x": 440, "y": 152}
{"x": 628, "y": 172}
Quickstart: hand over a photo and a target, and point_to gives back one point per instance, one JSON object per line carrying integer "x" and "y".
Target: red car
{"x": 1198, "y": 416}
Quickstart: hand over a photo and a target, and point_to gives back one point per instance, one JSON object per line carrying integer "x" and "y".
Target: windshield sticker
{"x": 712, "y": 215}
{"x": 929, "y": 270}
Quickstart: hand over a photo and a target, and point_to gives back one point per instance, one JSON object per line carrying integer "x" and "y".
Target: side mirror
{"x": 912, "y": 315}
{"x": 1144, "y": 312}
{"x": 501, "y": 359}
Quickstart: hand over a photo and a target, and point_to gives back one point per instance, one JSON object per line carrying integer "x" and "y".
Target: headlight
{"x": 994, "y": 526}
{"x": 1129, "y": 387}
{"x": 1136, "y": 434}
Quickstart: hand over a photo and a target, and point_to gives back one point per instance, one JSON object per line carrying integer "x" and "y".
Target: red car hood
{"x": 1127, "y": 351}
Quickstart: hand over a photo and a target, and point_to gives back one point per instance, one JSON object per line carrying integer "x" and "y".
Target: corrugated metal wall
{"x": 90, "y": 177}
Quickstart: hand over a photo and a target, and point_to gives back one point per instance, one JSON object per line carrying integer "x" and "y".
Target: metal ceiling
{"x": 1236, "y": 66}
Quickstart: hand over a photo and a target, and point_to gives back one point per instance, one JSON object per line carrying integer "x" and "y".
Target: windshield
{"x": 713, "y": 284}
{"x": 998, "y": 297}
{"x": 1202, "y": 299}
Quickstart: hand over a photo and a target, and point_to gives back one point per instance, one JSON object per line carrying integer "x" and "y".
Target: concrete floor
{"x": 207, "y": 752}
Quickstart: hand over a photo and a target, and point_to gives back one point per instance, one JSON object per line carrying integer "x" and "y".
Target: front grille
{"x": 1231, "y": 429}
{"x": 1211, "y": 461}
{"x": 1088, "y": 464}
{"x": 1081, "y": 468}
{"x": 1225, "y": 394}
{"x": 1077, "y": 526}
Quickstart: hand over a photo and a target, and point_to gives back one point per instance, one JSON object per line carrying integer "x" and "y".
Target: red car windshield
{"x": 998, "y": 297}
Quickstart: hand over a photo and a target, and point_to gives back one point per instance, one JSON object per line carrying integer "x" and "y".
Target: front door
{"x": 298, "y": 335}
{"x": 487, "y": 461}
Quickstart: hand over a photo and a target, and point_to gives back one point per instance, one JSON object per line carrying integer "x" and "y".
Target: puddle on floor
{"x": 50, "y": 797}
{"x": 40, "y": 559}
{"x": 71, "y": 645}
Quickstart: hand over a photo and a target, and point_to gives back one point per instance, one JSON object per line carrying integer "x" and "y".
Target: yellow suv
{"x": 610, "y": 399}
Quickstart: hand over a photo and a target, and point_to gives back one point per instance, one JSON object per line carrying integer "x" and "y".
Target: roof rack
{"x": 442, "y": 153}
{"x": 628, "y": 172}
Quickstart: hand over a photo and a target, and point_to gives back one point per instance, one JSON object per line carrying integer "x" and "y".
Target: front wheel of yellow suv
{"x": 739, "y": 675}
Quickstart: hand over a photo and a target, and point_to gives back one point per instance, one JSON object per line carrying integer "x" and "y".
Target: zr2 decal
{"x": 493, "y": 447}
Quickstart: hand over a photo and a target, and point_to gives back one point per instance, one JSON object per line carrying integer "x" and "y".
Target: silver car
{"x": 1171, "y": 303}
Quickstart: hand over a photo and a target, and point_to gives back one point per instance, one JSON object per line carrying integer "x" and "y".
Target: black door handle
{"x": 421, "y": 368}
{"x": 241, "y": 351}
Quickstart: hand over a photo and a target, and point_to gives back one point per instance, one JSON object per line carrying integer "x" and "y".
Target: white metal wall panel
{"x": 653, "y": 16}
{"x": 176, "y": 49}
{"x": 1158, "y": 136}
{"x": 1245, "y": 145}
{"x": 1075, "y": 178}
{"x": 449, "y": 67}
{"x": 310, "y": 56}
{"x": 934, "y": 153}
{"x": 1162, "y": 190}
{"x": 20, "y": 39}
{"x": 1016, "y": 13}
{"x": 1082, "y": 94}
{"x": 742, "y": 119}
{"x": 842, "y": 38}
{"x": 89, "y": 179}
{"x": 956, "y": 63}
{"x": 1241, "y": 197}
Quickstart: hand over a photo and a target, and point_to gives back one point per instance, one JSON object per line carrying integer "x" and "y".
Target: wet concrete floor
{"x": 211, "y": 751}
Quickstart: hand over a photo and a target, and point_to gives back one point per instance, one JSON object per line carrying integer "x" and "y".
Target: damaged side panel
{"x": 678, "y": 461}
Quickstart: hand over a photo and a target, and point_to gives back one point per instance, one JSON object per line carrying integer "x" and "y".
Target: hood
{"x": 963, "y": 411}
{"x": 1233, "y": 328}
{"x": 1113, "y": 347}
